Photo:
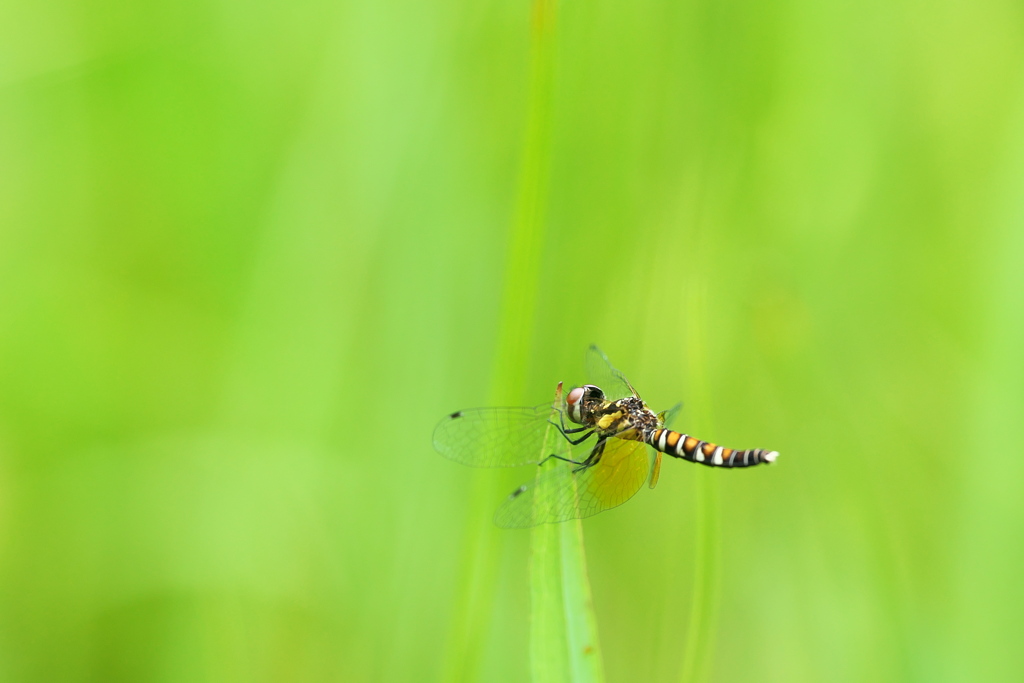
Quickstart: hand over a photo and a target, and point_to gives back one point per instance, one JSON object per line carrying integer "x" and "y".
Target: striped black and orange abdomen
{"x": 688, "y": 448}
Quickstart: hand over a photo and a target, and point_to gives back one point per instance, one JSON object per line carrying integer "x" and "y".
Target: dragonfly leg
{"x": 565, "y": 432}
{"x": 561, "y": 426}
{"x": 593, "y": 458}
{"x": 574, "y": 462}
{"x": 572, "y": 431}
{"x": 580, "y": 440}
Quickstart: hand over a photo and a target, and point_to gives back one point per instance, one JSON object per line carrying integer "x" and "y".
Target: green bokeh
{"x": 251, "y": 253}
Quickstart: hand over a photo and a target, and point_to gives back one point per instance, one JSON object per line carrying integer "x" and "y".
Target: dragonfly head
{"x": 580, "y": 396}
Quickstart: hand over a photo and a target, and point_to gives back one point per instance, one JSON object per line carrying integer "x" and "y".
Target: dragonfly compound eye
{"x": 573, "y": 400}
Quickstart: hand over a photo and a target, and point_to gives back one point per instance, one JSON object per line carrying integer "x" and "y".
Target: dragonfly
{"x": 590, "y": 447}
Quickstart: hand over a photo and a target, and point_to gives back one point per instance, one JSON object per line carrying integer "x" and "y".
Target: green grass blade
{"x": 549, "y": 642}
{"x": 580, "y": 620}
{"x": 563, "y": 633}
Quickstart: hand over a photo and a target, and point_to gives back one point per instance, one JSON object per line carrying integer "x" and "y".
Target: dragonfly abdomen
{"x": 689, "y": 448}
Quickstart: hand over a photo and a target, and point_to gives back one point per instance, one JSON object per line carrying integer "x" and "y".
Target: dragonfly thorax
{"x": 628, "y": 417}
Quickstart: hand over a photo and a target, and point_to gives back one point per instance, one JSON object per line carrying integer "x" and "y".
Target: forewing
{"x": 601, "y": 373}
{"x": 500, "y": 437}
{"x": 558, "y": 494}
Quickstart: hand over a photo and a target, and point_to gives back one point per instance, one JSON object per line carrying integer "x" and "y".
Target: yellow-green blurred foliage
{"x": 250, "y": 253}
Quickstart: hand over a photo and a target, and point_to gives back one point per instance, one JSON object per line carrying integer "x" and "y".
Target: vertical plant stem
{"x": 526, "y": 239}
{"x": 703, "y": 605}
{"x": 518, "y": 308}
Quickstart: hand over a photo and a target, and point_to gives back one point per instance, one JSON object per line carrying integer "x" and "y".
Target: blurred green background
{"x": 250, "y": 253}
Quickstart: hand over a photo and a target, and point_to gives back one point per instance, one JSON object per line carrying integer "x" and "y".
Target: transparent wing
{"x": 601, "y": 373}
{"x": 669, "y": 416}
{"x": 500, "y": 437}
{"x": 558, "y": 494}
